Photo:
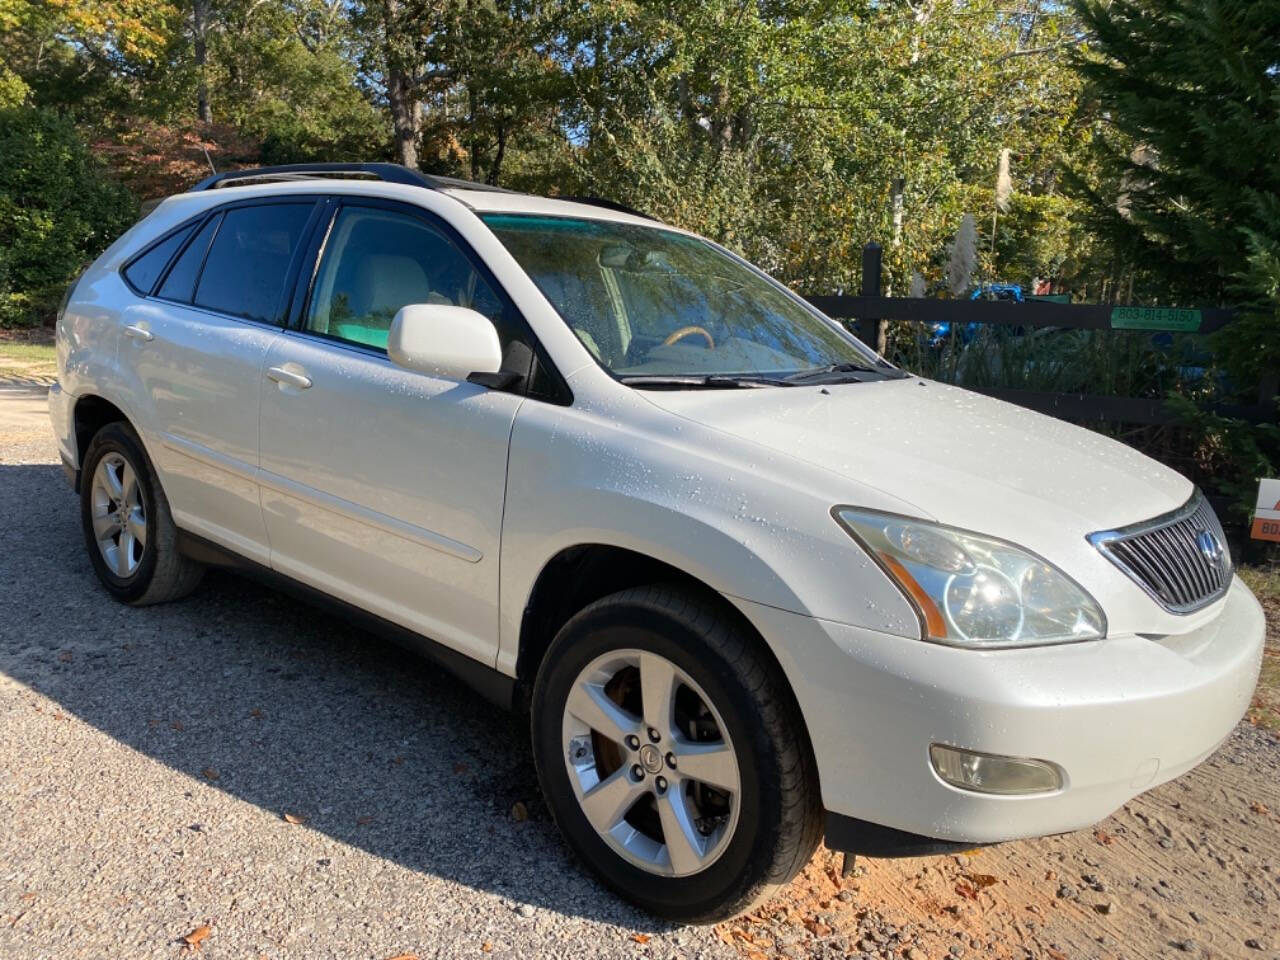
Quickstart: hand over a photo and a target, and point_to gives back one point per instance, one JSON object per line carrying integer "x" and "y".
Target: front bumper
{"x": 1118, "y": 716}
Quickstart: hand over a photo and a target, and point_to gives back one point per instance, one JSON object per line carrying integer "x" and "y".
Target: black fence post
{"x": 871, "y": 257}
{"x": 872, "y": 265}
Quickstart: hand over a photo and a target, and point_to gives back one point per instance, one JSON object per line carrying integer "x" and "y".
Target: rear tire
{"x": 128, "y": 530}
{"x": 741, "y": 840}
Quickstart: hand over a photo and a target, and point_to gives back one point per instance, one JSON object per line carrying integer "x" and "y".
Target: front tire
{"x": 673, "y": 755}
{"x": 128, "y": 530}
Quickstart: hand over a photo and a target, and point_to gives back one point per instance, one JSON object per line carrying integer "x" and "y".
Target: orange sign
{"x": 1266, "y": 516}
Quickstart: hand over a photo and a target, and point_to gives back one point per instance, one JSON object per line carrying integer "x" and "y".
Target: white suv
{"x": 755, "y": 584}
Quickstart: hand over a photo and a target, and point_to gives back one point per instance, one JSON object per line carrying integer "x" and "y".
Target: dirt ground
{"x": 1189, "y": 869}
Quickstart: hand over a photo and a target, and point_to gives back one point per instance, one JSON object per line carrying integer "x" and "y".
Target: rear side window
{"x": 180, "y": 284}
{"x": 143, "y": 272}
{"x": 248, "y": 263}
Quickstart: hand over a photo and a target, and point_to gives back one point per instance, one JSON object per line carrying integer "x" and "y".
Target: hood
{"x": 959, "y": 458}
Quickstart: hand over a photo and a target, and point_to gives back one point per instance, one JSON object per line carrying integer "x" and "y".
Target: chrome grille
{"x": 1180, "y": 559}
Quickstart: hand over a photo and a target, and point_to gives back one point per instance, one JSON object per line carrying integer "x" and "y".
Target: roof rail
{"x": 386, "y": 172}
{"x": 607, "y": 205}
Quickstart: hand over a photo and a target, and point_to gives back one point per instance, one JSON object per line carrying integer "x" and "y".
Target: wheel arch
{"x": 90, "y": 414}
{"x": 578, "y": 575}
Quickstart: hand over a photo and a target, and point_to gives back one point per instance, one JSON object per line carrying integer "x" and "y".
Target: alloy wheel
{"x": 119, "y": 515}
{"x": 651, "y": 762}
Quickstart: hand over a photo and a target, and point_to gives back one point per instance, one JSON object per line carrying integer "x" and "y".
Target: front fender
{"x": 749, "y": 531}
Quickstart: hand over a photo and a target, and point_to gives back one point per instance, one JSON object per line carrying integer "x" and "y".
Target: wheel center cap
{"x": 651, "y": 758}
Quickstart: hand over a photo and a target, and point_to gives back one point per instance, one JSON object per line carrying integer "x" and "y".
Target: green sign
{"x": 1155, "y": 318}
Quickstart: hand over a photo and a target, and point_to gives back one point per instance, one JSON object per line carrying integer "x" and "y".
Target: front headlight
{"x": 975, "y": 591}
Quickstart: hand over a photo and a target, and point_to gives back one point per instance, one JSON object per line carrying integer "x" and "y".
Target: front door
{"x": 382, "y": 486}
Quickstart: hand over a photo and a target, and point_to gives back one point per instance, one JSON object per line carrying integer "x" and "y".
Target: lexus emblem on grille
{"x": 1209, "y": 546}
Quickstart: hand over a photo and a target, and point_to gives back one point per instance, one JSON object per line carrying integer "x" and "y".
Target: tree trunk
{"x": 402, "y": 94}
{"x": 199, "y": 24}
{"x": 899, "y": 210}
{"x": 496, "y": 167}
{"x": 473, "y": 144}
{"x": 404, "y": 117}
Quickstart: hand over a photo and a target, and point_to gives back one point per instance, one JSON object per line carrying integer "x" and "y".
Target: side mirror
{"x": 443, "y": 340}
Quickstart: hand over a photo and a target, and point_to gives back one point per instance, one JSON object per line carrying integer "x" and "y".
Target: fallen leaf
{"x": 404, "y": 956}
{"x": 756, "y": 955}
{"x": 209, "y": 773}
{"x": 983, "y": 880}
{"x": 193, "y": 939}
{"x": 294, "y": 818}
{"x": 818, "y": 929}
{"x": 487, "y": 946}
{"x": 640, "y": 937}
{"x": 363, "y": 821}
{"x": 1258, "y": 807}
{"x": 28, "y": 896}
{"x": 256, "y": 713}
{"x": 177, "y": 725}
{"x": 1103, "y": 837}
{"x": 66, "y": 656}
{"x": 460, "y": 768}
{"x": 519, "y": 812}
{"x": 966, "y": 890}
{"x": 724, "y": 935}
{"x": 1055, "y": 954}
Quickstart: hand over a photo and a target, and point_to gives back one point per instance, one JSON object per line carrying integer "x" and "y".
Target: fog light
{"x": 988, "y": 773}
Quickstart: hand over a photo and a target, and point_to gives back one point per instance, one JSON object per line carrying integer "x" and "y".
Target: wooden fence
{"x": 867, "y": 309}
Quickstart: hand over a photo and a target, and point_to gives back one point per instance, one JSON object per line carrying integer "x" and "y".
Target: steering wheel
{"x": 689, "y": 331}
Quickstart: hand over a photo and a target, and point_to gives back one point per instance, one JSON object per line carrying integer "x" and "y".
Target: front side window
{"x": 377, "y": 261}
{"x": 649, "y": 302}
{"x": 247, "y": 265}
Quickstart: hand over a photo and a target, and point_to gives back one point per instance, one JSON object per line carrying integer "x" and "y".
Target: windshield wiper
{"x": 710, "y": 381}
{"x": 846, "y": 373}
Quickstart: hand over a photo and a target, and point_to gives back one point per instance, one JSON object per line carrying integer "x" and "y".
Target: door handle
{"x": 292, "y": 378}
{"x": 139, "y": 332}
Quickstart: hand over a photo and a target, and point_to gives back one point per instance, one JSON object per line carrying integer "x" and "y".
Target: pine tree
{"x": 1190, "y": 94}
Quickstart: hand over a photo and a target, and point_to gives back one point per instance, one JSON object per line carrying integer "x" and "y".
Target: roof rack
{"x": 386, "y": 172}
{"x": 607, "y": 205}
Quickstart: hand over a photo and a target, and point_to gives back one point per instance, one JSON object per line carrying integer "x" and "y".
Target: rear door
{"x": 384, "y": 486}
{"x": 197, "y": 342}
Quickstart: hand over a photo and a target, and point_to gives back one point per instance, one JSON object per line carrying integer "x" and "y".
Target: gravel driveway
{"x": 148, "y": 759}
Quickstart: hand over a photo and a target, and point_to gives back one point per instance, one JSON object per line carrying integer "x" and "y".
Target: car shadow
{"x": 287, "y": 708}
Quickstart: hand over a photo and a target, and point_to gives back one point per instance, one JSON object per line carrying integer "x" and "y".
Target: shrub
{"x": 58, "y": 210}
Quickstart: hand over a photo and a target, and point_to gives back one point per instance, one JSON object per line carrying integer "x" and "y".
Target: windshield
{"x": 652, "y": 303}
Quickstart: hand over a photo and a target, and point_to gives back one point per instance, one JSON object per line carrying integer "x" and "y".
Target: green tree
{"x": 58, "y": 210}
{"x": 1188, "y": 186}
{"x": 798, "y": 130}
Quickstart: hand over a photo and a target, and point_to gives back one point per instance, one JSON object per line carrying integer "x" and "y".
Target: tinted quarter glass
{"x": 180, "y": 284}
{"x": 144, "y": 271}
{"x": 245, "y": 271}
{"x": 377, "y": 261}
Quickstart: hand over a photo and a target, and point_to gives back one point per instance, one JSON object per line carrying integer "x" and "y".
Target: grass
{"x": 1265, "y": 584}
{"x": 27, "y": 355}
